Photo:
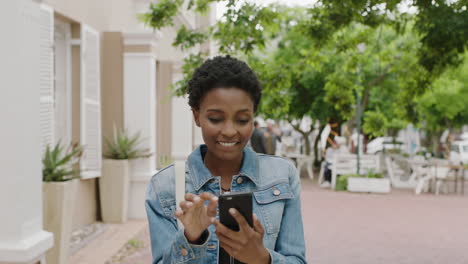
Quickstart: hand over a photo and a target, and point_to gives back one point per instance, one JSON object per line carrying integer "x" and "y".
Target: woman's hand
{"x": 195, "y": 215}
{"x": 246, "y": 245}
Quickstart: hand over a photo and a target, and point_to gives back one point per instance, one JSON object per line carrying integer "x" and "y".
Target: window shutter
{"x": 90, "y": 103}
{"x": 46, "y": 83}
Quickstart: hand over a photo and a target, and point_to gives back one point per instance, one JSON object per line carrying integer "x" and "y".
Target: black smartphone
{"x": 242, "y": 202}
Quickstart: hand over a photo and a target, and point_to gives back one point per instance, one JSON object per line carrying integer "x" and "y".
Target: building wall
{"x": 112, "y": 83}
{"x": 163, "y": 113}
{"x": 112, "y": 18}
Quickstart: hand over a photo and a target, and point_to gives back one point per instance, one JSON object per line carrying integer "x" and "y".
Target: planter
{"x": 373, "y": 185}
{"x": 140, "y": 175}
{"x": 113, "y": 190}
{"x": 58, "y": 206}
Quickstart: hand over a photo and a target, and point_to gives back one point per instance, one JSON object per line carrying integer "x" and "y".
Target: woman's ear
{"x": 196, "y": 117}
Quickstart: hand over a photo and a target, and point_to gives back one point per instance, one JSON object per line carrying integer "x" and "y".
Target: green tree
{"x": 444, "y": 106}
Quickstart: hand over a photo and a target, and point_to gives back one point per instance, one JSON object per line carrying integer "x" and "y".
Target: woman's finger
{"x": 184, "y": 205}
{"x": 257, "y": 225}
{"x": 190, "y": 196}
{"x": 243, "y": 225}
{"x": 228, "y": 241}
{"x": 207, "y": 196}
{"x": 212, "y": 206}
{"x": 227, "y": 248}
{"x": 223, "y": 229}
{"x": 179, "y": 214}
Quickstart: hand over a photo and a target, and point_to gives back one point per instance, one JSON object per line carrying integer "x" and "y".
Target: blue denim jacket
{"x": 275, "y": 184}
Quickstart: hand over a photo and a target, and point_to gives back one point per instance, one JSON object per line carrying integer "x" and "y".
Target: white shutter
{"x": 46, "y": 82}
{"x": 90, "y": 103}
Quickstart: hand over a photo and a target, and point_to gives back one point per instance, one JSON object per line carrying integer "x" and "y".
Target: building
{"x": 71, "y": 71}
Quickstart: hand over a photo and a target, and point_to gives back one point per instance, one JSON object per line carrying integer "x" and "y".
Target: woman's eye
{"x": 214, "y": 120}
{"x": 243, "y": 121}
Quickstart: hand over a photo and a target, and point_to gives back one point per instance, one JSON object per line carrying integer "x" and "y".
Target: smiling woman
{"x": 224, "y": 94}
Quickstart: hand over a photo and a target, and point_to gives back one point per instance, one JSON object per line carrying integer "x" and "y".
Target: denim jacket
{"x": 275, "y": 184}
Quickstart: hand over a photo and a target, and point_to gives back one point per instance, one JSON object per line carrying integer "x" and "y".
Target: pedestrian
{"x": 224, "y": 94}
{"x": 271, "y": 137}
{"x": 257, "y": 141}
{"x": 337, "y": 147}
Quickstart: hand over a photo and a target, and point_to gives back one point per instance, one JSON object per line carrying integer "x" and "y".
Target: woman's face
{"x": 226, "y": 120}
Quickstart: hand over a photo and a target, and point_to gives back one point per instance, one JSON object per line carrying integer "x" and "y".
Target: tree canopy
{"x": 405, "y": 59}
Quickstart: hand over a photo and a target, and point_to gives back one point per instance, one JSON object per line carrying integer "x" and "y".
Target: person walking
{"x": 257, "y": 141}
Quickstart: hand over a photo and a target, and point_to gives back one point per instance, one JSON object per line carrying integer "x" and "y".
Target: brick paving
{"x": 402, "y": 228}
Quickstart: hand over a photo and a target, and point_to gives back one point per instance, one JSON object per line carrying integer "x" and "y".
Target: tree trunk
{"x": 316, "y": 154}
{"x": 305, "y": 135}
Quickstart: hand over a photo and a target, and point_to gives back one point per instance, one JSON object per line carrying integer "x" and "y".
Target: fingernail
{"x": 232, "y": 211}
{"x": 215, "y": 199}
{"x": 213, "y": 219}
{"x": 196, "y": 199}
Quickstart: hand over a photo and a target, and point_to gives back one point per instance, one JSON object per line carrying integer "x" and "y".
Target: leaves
{"x": 161, "y": 14}
{"x": 56, "y": 166}
{"x": 187, "y": 39}
{"x": 124, "y": 146}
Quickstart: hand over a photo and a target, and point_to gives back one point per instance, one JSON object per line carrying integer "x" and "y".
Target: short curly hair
{"x": 223, "y": 72}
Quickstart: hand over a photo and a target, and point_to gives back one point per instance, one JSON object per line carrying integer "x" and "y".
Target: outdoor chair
{"x": 396, "y": 175}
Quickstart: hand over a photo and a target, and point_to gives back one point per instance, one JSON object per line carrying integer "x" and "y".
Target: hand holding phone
{"x": 242, "y": 202}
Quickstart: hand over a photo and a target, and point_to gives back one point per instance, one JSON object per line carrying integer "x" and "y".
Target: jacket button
{"x": 184, "y": 252}
{"x": 240, "y": 180}
{"x": 276, "y": 192}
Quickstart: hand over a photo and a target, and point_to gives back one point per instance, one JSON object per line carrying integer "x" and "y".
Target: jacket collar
{"x": 200, "y": 174}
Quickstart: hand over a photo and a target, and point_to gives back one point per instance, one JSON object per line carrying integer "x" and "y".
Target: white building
{"x": 70, "y": 71}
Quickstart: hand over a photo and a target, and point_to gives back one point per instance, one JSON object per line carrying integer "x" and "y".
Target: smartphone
{"x": 242, "y": 202}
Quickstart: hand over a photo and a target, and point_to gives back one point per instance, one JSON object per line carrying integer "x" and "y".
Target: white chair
{"x": 396, "y": 174}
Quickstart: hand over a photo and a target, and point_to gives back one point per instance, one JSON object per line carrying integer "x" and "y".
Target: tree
{"x": 444, "y": 106}
{"x": 308, "y": 62}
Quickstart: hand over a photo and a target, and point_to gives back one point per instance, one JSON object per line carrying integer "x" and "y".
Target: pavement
{"x": 400, "y": 227}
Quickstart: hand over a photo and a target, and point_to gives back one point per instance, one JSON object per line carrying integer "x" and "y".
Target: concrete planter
{"x": 58, "y": 206}
{"x": 373, "y": 185}
{"x": 113, "y": 190}
{"x": 140, "y": 176}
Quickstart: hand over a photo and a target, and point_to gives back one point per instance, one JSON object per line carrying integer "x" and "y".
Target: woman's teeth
{"x": 227, "y": 144}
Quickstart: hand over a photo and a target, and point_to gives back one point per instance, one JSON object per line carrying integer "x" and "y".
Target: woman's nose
{"x": 229, "y": 130}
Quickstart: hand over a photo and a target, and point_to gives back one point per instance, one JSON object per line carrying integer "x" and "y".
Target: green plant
{"x": 135, "y": 243}
{"x": 164, "y": 161}
{"x": 372, "y": 174}
{"x": 124, "y": 146}
{"x": 58, "y": 166}
{"x": 342, "y": 182}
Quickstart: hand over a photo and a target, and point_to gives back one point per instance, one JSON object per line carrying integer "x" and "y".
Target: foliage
{"x": 136, "y": 243}
{"x": 187, "y": 39}
{"x": 124, "y": 146}
{"x": 161, "y": 14}
{"x": 442, "y": 25}
{"x": 309, "y": 64}
{"x": 374, "y": 124}
{"x": 57, "y": 165}
{"x": 444, "y": 105}
{"x": 164, "y": 161}
{"x": 342, "y": 183}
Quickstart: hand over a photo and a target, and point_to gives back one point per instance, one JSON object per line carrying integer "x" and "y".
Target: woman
{"x": 224, "y": 94}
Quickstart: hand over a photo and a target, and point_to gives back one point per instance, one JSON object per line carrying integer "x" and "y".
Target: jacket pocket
{"x": 271, "y": 202}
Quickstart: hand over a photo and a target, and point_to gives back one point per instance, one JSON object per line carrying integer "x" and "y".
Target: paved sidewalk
{"x": 401, "y": 228}
{"x": 108, "y": 243}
